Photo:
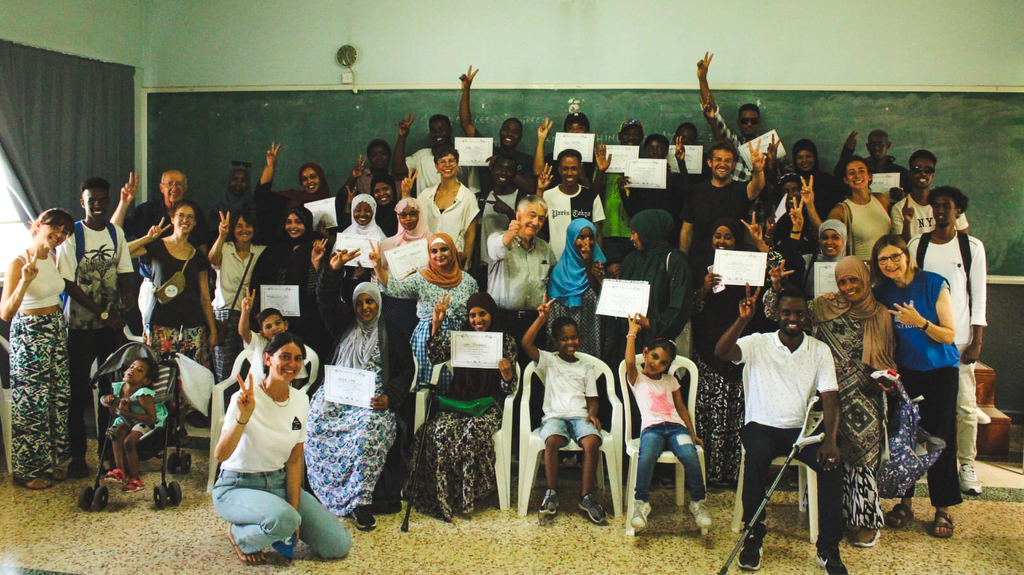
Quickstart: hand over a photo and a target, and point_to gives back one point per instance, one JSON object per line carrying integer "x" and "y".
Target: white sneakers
{"x": 983, "y": 418}
{"x": 641, "y": 509}
{"x": 700, "y": 514}
{"x": 969, "y": 479}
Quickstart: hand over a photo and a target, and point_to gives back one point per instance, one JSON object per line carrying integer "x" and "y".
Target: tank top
{"x": 45, "y": 290}
{"x": 867, "y": 223}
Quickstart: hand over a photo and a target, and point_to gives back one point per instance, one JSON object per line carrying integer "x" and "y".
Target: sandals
{"x": 37, "y": 484}
{"x": 116, "y": 475}
{"x": 57, "y": 474}
{"x": 899, "y": 516}
{"x": 257, "y": 558}
{"x": 942, "y": 527}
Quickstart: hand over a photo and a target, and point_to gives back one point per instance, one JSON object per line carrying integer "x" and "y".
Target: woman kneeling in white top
{"x": 259, "y": 490}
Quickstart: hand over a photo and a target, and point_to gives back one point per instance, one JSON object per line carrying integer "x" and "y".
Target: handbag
{"x": 171, "y": 288}
{"x": 222, "y": 325}
{"x": 472, "y": 408}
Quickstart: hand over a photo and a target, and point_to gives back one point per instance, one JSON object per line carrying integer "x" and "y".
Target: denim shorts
{"x": 573, "y": 428}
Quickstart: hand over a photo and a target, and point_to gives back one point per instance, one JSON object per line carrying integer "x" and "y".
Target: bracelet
{"x": 630, "y": 335}
{"x": 927, "y": 324}
{"x": 240, "y": 422}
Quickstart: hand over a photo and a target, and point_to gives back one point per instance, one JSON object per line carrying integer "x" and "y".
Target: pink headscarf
{"x": 404, "y": 236}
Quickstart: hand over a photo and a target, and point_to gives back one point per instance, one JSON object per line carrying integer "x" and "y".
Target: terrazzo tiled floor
{"x": 46, "y": 531}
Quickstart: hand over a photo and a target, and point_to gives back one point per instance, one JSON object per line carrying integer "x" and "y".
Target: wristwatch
{"x": 105, "y": 315}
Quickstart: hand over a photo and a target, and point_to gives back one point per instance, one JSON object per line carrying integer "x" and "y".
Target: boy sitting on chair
{"x": 782, "y": 372}
{"x": 570, "y": 409}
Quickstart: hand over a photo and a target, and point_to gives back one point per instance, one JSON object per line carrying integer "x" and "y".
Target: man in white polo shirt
{"x": 782, "y": 372}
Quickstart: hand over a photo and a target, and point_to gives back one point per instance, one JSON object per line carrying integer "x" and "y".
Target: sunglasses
{"x": 749, "y": 121}
{"x": 925, "y": 169}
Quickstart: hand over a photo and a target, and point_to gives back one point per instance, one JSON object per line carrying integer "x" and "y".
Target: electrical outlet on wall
{"x": 347, "y": 77}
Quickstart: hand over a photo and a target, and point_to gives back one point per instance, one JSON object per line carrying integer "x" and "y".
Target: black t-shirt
{"x": 708, "y": 203}
{"x": 186, "y": 309}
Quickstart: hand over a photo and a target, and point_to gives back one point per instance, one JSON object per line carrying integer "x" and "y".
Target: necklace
{"x": 276, "y": 402}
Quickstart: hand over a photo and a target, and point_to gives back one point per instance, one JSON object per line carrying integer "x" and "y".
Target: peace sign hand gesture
{"x": 796, "y": 214}
{"x": 757, "y": 159}
{"x": 272, "y": 154}
{"x": 544, "y": 310}
{"x": 158, "y": 230}
{"x": 748, "y": 304}
{"x": 467, "y": 78}
{"x": 319, "y": 247}
{"x": 30, "y": 270}
{"x": 703, "y": 64}
{"x": 441, "y": 308}
{"x": 225, "y": 224}
{"x": 246, "y": 401}
{"x": 544, "y": 128}
{"x": 408, "y": 183}
{"x": 405, "y": 125}
{"x": 247, "y": 302}
{"x": 130, "y": 188}
{"x": 544, "y": 179}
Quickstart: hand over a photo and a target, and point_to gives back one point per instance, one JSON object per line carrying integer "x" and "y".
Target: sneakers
{"x": 549, "y": 506}
{"x": 116, "y": 475}
{"x": 829, "y": 559}
{"x": 641, "y": 509}
{"x": 365, "y": 521}
{"x": 133, "y": 485}
{"x": 864, "y": 537}
{"x": 969, "y": 479}
{"x": 750, "y": 555}
{"x": 983, "y": 418}
{"x": 700, "y": 514}
{"x": 594, "y": 510}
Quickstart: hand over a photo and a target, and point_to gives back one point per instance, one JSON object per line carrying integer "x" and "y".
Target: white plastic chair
{"x": 633, "y": 443}
{"x": 502, "y": 437}
{"x": 5, "y": 413}
{"x": 218, "y": 407}
{"x": 531, "y": 444}
{"x": 808, "y": 480}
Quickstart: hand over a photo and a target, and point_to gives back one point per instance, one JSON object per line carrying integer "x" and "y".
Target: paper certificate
{"x": 782, "y": 209}
{"x": 740, "y": 268}
{"x": 476, "y": 349}
{"x": 694, "y": 159}
{"x": 623, "y": 298}
{"x": 323, "y": 210}
{"x": 647, "y": 174}
{"x": 881, "y": 183}
{"x": 349, "y": 386}
{"x": 352, "y": 242}
{"x": 474, "y": 151}
{"x": 761, "y": 143}
{"x": 284, "y": 298}
{"x": 619, "y": 156}
{"x": 825, "y": 278}
{"x": 582, "y": 143}
{"x": 407, "y": 259}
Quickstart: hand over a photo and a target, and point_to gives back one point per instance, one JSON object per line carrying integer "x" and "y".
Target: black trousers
{"x": 762, "y": 444}
{"x": 939, "y": 387}
{"x": 85, "y": 346}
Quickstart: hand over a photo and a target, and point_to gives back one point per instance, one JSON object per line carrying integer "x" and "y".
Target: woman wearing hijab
{"x": 576, "y": 282}
{"x": 385, "y": 191}
{"x": 289, "y": 260}
{"x": 364, "y": 223}
{"x": 269, "y": 205}
{"x": 411, "y": 228}
{"x": 860, "y": 334}
{"x": 831, "y": 247}
{"x": 827, "y": 191}
{"x": 348, "y": 445}
{"x": 443, "y": 279}
{"x": 235, "y": 199}
{"x": 457, "y": 467}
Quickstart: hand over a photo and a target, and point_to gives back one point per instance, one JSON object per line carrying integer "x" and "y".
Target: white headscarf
{"x": 356, "y": 348}
{"x": 371, "y": 229}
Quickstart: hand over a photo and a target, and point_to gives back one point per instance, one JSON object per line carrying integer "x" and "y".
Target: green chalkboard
{"x": 978, "y": 137}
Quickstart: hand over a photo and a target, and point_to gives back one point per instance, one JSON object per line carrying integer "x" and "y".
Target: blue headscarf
{"x": 569, "y": 278}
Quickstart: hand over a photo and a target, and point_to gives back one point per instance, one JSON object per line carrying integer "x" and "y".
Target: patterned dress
{"x": 428, "y": 295}
{"x": 458, "y": 459}
{"x": 346, "y": 448}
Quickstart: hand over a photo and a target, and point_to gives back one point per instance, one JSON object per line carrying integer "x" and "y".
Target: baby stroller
{"x": 157, "y": 442}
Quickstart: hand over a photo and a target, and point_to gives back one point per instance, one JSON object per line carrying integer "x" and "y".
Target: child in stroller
{"x": 137, "y": 413}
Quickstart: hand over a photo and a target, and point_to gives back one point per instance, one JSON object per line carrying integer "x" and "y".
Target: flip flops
{"x": 257, "y": 558}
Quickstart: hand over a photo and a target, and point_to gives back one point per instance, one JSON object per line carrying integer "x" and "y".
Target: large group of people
{"x": 857, "y": 280}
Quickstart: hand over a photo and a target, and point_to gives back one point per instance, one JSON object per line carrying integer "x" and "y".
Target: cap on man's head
{"x": 631, "y": 122}
{"x": 576, "y": 118}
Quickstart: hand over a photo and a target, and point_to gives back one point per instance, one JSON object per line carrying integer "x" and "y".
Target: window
{"x": 14, "y": 236}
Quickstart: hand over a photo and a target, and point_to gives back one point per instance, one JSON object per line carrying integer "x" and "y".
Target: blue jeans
{"x": 674, "y": 437}
{"x": 255, "y": 505}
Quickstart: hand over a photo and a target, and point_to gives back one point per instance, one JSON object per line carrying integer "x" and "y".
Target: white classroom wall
{"x": 109, "y": 30}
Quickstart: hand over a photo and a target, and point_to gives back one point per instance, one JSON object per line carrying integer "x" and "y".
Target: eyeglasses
{"x": 925, "y": 169}
{"x": 409, "y": 214}
{"x": 749, "y": 121}
{"x": 894, "y": 258}
{"x": 447, "y": 162}
{"x": 240, "y": 163}
{"x": 173, "y": 184}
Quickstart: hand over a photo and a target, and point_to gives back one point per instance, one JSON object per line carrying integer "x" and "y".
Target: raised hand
{"x": 342, "y": 257}
{"x": 376, "y": 257}
{"x": 634, "y": 324}
{"x": 158, "y": 230}
{"x": 505, "y": 367}
{"x": 246, "y": 401}
{"x": 773, "y": 150}
{"x": 319, "y": 248}
{"x": 748, "y": 303}
{"x": 272, "y": 154}
{"x": 797, "y": 214}
{"x": 601, "y": 157}
{"x": 754, "y": 228}
{"x": 544, "y": 310}
{"x": 408, "y": 183}
{"x": 807, "y": 190}
{"x": 680, "y": 149}
{"x": 441, "y": 308}
{"x": 467, "y": 78}
{"x": 544, "y": 128}
{"x": 514, "y": 227}
{"x": 703, "y": 64}
{"x": 544, "y": 179}
{"x": 30, "y": 270}
{"x": 247, "y": 302}
{"x": 851, "y": 140}
{"x": 129, "y": 189}
{"x": 225, "y": 224}
{"x": 504, "y": 209}
{"x": 708, "y": 107}
{"x": 623, "y": 184}
{"x": 778, "y": 274}
{"x": 360, "y": 167}
{"x": 405, "y": 125}
{"x": 757, "y": 159}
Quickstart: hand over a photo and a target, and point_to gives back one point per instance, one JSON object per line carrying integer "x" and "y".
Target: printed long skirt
{"x": 720, "y": 412}
{"x": 40, "y": 394}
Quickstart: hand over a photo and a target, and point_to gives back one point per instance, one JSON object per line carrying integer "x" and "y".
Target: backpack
{"x": 965, "y": 254}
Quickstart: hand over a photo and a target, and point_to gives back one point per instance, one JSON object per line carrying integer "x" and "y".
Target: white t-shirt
{"x": 454, "y": 221}
{"x": 564, "y": 208}
{"x": 778, "y": 384}
{"x": 272, "y": 431}
{"x": 96, "y": 274}
{"x": 427, "y": 175}
{"x": 230, "y": 271}
{"x": 922, "y": 222}
{"x": 945, "y": 260}
{"x": 567, "y": 385}
{"x": 654, "y": 399}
